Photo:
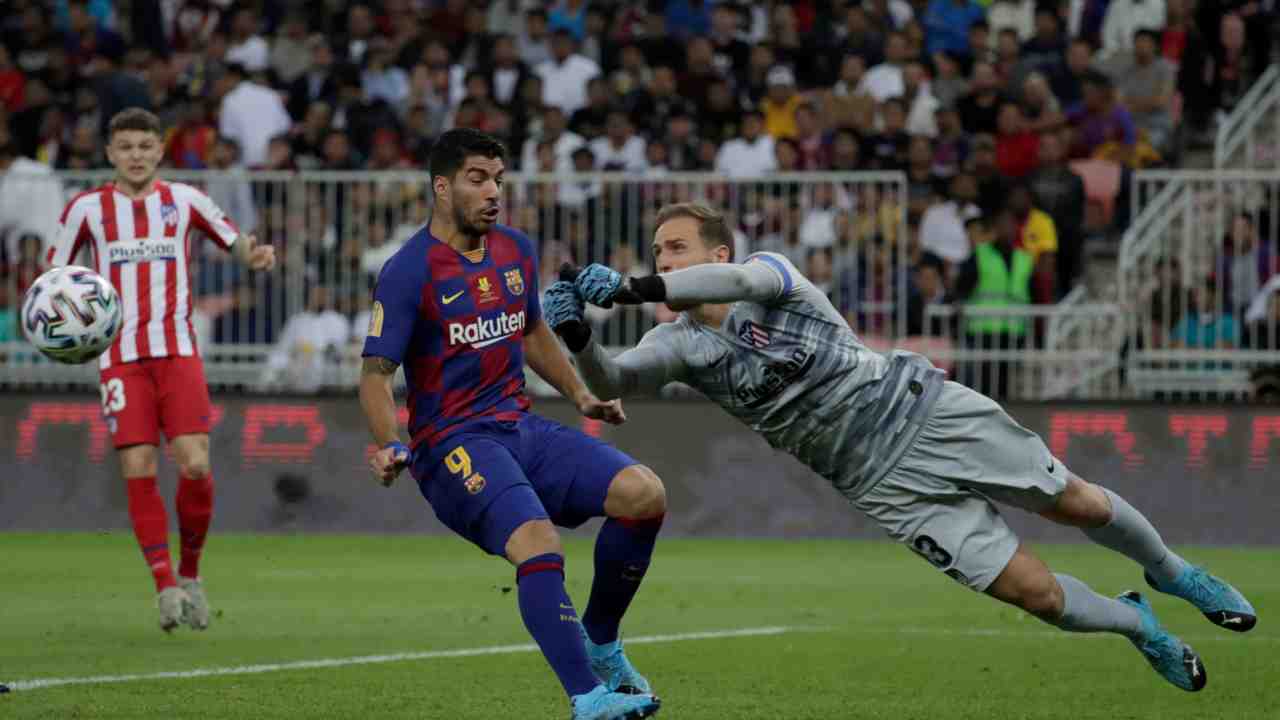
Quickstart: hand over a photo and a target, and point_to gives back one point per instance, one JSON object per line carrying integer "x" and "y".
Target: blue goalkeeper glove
{"x": 563, "y": 310}
{"x": 603, "y": 286}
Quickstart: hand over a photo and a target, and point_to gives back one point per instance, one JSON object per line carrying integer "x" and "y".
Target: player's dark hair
{"x": 134, "y": 118}
{"x": 713, "y": 229}
{"x": 452, "y": 149}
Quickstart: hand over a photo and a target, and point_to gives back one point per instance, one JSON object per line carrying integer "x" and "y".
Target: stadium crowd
{"x": 1018, "y": 123}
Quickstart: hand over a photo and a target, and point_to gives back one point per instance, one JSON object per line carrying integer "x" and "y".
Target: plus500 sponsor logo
{"x": 136, "y": 251}
{"x": 481, "y": 333}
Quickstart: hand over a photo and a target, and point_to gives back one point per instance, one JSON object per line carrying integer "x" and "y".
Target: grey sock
{"x": 1084, "y": 610}
{"x": 1131, "y": 534}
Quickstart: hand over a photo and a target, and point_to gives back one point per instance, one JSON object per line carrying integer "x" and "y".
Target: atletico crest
{"x": 515, "y": 282}
{"x": 754, "y": 335}
{"x": 169, "y": 213}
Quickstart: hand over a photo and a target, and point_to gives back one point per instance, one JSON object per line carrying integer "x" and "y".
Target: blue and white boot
{"x": 1221, "y": 603}
{"x": 610, "y": 664}
{"x": 1169, "y": 656}
{"x": 602, "y": 704}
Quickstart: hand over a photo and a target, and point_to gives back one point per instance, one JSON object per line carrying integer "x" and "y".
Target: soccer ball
{"x": 72, "y": 314}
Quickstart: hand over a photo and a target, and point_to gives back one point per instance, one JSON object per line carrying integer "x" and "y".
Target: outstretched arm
{"x": 761, "y": 279}
{"x": 542, "y": 353}
{"x": 643, "y": 370}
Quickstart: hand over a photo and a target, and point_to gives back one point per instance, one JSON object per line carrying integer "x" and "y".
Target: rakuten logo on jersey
{"x": 480, "y": 333}
{"x": 141, "y": 250}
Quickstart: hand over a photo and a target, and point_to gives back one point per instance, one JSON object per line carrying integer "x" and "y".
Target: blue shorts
{"x": 493, "y": 476}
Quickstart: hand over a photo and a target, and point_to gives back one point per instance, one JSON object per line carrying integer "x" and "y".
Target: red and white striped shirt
{"x": 143, "y": 247}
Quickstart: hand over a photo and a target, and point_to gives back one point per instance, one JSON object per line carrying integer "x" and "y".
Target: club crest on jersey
{"x": 169, "y": 213}
{"x": 515, "y": 281}
{"x": 754, "y": 335}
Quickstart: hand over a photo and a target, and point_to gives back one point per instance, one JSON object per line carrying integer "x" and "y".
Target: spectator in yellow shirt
{"x": 1039, "y": 237}
{"x": 780, "y": 104}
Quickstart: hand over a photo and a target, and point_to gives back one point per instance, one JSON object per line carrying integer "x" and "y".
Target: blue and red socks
{"x": 151, "y": 528}
{"x": 552, "y": 620}
{"x": 623, "y": 550}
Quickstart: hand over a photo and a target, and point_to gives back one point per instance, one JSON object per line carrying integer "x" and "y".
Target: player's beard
{"x": 465, "y": 225}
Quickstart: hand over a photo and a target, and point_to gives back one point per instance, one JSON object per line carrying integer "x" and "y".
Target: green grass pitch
{"x": 876, "y": 634}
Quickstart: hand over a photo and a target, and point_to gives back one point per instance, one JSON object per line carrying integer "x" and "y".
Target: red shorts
{"x": 143, "y": 398}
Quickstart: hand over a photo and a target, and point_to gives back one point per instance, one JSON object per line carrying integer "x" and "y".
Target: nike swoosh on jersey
{"x": 446, "y": 299}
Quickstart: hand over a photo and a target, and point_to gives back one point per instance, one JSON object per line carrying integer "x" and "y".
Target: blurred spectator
{"x": 992, "y": 186}
{"x": 699, "y": 71}
{"x": 1008, "y": 63}
{"x": 845, "y": 151}
{"x": 657, "y": 101}
{"x": 928, "y": 287}
{"x": 565, "y": 75}
{"x": 887, "y": 149}
{"x": 1016, "y": 145}
{"x": 1263, "y": 318}
{"x": 681, "y": 142}
{"x": 948, "y": 84}
{"x": 820, "y": 227}
{"x": 1059, "y": 191}
{"x": 980, "y": 107}
{"x": 86, "y": 38}
{"x": 751, "y": 153}
{"x": 885, "y": 80}
{"x": 563, "y": 142}
{"x": 620, "y": 149}
{"x": 1104, "y": 128}
{"x": 1045, "y": 51}
{"x": 1040, "y": 109}
{"x": 947, "y": 24}
{"x": 731, "y": 53}
{"x": 30, "y": 198}
{"x": 688, "y": 17}
{"x": 819, "y": 271}
{"x": 809, "y": 138}
{"x": 997, "y": 276}
{"x": 951, "y": 149}
{"x": 381, "y": 79}
{"x": 245, "y": 47}
{"x": 1125, "y": 18}
{"x": 923, "y": 184}
{"x": 1146, "y": 85}
{"x": 1016, "y": 15}
{"x": 779, "y": 107}
{"x": 1206, "y": 324}
{"x": 310, "y": 348}
{"x": 308, "y": 138}
{"x": 1068, "y": 86}
{"x": 922, "y": 106}
{"x": 981, "y": 45}
{"x": 534, "y": 43}
{"x": 230, "y": 190}
{"x": 590, "y": 120}
{"x": 506, "y": 72}
{"x": 291, "y": 51}
{"x": 942, "y": 229}
{"x": 1246, "y": 263}
{"x": 251, "y": 114}
{"x": 316, "y": 83}
{"x": 360, "y": 30}
{"x": 1039, "y": 238}
{"x": 12, "y": 81}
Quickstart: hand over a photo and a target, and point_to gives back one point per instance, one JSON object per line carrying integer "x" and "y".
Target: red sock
{"x": 195, "y": 509}
{"x": 151, "y": 527}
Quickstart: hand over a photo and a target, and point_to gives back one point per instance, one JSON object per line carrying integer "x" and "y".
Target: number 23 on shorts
{"x": 112, "y": 396}
{"x": 459, "y": 463}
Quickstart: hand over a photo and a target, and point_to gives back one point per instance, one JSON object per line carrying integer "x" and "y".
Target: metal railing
{"x": 1196, "y": 276}
{"x": 333, "y": 230}
{"x": 1236, "y": 144}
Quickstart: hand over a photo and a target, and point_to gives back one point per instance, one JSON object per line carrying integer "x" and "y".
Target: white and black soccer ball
{"x": 72, "y": 314}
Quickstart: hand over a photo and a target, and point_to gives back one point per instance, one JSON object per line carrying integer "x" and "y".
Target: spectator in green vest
{"x": 997, "y": 275}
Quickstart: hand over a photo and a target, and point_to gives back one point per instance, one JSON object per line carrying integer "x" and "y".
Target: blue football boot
{"x": 1172, "y": 658}
{"x": 610, "y": 664}
{"x": 601, "y": 704}
{"x": 1221, "y": 603}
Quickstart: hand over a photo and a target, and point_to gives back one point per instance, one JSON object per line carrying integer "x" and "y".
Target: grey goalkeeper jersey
{"x": 787, "y": 364}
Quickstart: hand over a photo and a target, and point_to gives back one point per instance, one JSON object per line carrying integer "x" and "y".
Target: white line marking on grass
{"x": 39, "y": 683}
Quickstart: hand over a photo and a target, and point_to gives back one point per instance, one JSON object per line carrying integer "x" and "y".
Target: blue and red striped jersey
{"x": 457, "y": 327}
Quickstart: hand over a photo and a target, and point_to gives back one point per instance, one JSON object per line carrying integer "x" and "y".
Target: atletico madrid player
{"x": 139, "y": 233}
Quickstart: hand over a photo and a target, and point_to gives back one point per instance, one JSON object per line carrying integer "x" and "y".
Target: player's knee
{"x": 196, "y": 468}
{"x": 533, "y": 538}
{"x": 637, "y": 493}
{"x": 1081, "y": 504}
{"x": 1042, "y": 597}
{"x": 138, "y": 461}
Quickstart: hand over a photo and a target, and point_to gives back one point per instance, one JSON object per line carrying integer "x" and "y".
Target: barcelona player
{"x": 458, "y": 308}
{"x": 925, "y": 458}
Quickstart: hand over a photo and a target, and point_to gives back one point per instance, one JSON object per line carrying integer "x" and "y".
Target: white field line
{"x": 39, "y": 683}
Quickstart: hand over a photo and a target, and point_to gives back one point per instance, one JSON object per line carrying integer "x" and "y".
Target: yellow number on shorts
{"x": 458, "y": 462}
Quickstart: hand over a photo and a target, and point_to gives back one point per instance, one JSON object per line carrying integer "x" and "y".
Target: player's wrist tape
{"x": 576, "y": 334}
{"x": 650, "y": 288}
{"x": 397, "y": 446}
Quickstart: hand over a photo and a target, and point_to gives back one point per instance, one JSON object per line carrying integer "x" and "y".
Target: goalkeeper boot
{"x": 1169, "y": 656}
{"x": 601, "y": 704}
{"x": 609, "y": 662}
{"x": 172, "y": 602}
{"x": 197, "y": 604}
{"x": 1221, "y": 603}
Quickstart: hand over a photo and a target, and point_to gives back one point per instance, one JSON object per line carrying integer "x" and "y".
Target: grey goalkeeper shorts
{"x": 940, "y": 498}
